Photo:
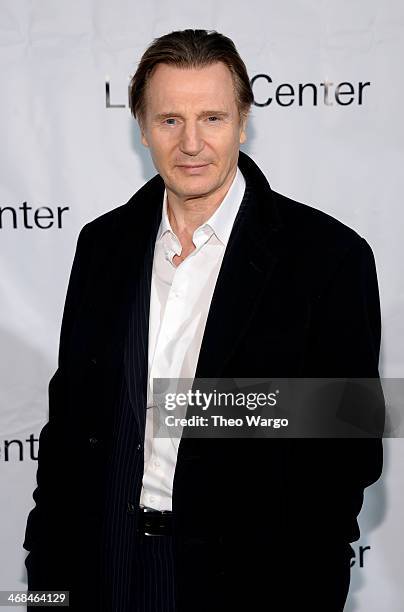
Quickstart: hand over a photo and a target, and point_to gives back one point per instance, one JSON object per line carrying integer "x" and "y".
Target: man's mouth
{"x": 192, "y": 168}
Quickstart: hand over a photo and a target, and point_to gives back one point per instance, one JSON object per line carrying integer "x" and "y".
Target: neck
{"x": 186, "y": 214}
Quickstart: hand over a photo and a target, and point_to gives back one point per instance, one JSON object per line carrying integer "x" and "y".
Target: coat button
{"x": 93, "y": 441}
{"x": 139, "y": 446}
{"x": 93, "y": 360}
{"x": 131, "y": 508}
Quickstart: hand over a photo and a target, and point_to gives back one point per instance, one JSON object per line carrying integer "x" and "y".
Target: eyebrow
{"x": 208, "y": 113}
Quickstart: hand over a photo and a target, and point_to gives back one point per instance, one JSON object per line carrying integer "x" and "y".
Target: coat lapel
{"x": 137, "y": 336}
{"x": 120, "y": 291}
{"x": 253, "y": 251}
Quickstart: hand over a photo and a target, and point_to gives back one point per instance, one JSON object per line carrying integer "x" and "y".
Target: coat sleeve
{"x": 347, "y": 339}
{"x": 44, "y": 532}
{"x": 345, "y": 344}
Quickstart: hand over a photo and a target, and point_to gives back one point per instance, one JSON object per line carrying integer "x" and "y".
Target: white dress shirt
{"x": 179, "y": 306}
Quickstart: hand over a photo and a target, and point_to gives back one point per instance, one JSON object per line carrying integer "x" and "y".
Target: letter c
{"x": 267, "y": 78}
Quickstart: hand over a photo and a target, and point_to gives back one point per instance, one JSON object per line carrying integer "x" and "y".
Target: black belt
{"x": 154, "y": 522}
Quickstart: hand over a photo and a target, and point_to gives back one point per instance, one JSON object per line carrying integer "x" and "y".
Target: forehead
{"x": 170, "y": 86}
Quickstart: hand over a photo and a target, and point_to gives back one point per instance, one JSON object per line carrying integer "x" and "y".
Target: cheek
{"x": 159, "y": 139}
{"x": 165, "y": 147}
{"x": 225, "y": 143}
{"x": 160, "y": 158}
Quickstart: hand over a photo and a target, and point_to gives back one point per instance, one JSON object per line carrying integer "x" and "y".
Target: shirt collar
{"x": 221, "y": 222}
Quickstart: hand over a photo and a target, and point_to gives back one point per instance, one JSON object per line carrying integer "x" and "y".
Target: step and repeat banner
{"x": 327, "y": 128}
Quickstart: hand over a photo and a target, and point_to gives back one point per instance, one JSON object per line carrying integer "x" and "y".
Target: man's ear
{"x": 142, "y": 132}
{"x": 144, "y": 140}
{"x": 243, "y": 129}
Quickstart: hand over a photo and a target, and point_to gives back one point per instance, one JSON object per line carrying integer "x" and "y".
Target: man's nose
{"x": 191, "y": 141}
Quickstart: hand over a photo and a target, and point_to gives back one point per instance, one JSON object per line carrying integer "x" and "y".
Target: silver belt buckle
{"x": 145, "y": 509}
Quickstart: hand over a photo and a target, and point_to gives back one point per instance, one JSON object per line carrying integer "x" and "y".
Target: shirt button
{"x": 157, "y": 463}
{"x": 152, "y": 499}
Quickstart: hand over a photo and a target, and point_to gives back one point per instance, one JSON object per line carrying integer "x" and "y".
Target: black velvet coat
{"x": 258, "y": 523}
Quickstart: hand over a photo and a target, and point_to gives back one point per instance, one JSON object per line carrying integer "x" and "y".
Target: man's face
{"x": 193, "y": 129}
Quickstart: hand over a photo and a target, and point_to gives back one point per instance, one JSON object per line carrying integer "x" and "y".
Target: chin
{"x": 199, "y": 190}
{"x": 194, "y": 188}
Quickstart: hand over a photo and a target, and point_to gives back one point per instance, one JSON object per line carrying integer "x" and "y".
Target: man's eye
{"x": 213, "y": 119}
{"x": 170, "y": 121}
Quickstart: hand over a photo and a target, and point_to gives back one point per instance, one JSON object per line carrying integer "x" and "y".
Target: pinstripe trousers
{"x": 153, "y": 577}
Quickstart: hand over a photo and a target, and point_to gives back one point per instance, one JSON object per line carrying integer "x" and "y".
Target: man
{"x": 205, "y": 272}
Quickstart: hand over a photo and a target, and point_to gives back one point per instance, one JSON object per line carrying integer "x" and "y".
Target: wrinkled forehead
{"x": 171, "y": 88}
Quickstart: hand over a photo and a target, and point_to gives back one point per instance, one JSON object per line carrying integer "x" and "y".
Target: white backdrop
{"x": 71, "y": 151}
